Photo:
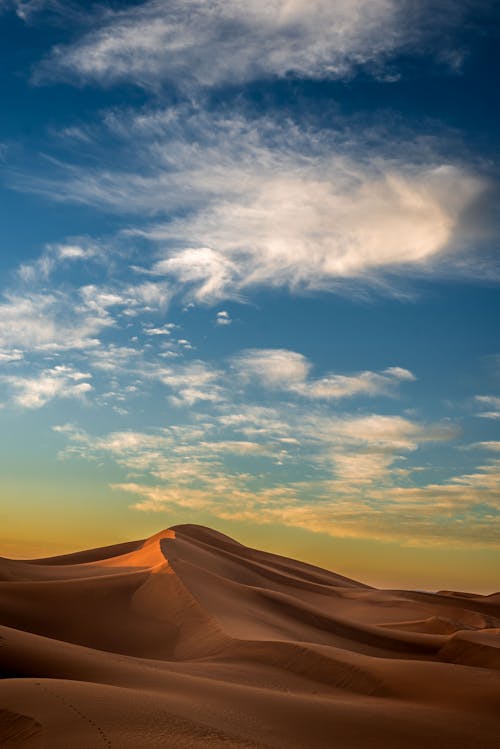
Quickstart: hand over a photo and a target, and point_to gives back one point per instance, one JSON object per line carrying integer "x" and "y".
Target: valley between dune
{"x": 189, "y": 639}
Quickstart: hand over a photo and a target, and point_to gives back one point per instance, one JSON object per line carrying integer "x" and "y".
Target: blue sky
{"x": 250, "y": 272}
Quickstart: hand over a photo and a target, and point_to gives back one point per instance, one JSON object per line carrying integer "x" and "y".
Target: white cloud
{"x": 387, "y": 432}
{"x": 190, "y": 383}
{"x": 58, "y": 382}
{"x": 10, "y": 355}
{"x": 307, "y": 229}
{"x": 163, "y": 330}
{"x": 492, "y": 405}
{"x": 367, "y": 449}
{"x": 400, "y": 373}
{"x": 492, "y": 445}
{"x": 289, "y": 370}
{"x": 74, "y": 251}
{"x": 231, "y": 41}
{"x": 158, "y": 499}
{"x": 358, "y": 468}
{"x": 343, "y": 386}
{"x": 133, "y": 299}
{"x": 273, "y": 367}
{"x": 222, "y": 318}
{"x": 209, "y": 270}
{"x": 112, "y": 357}
{"x": 263, "y": 203}
{"x": 53, "y": 258}
{"x": 74, "y": 133}
{"x": 238, "y": 447}
{"x": 64, "y": 326}
{"x": 47, "y": 322}
{"x": 27, "y": 10}
{"x": 43, "y": 312}
{"x": 253, "y": 420}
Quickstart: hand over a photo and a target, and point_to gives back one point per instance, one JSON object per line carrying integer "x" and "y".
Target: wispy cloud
{"x": 435, "y": 515}
{"x": 462, "y": 511}
{"x": 56, "y": 257}
{"x": 312, "y": 230}
{"x": 289, "y": 370}
{"x": 240, "y": 204}
{"x": 40, "y": 314}
{"x": 491, "y": 404}
{"x": 367, "y": 450}
{"x": 47, "y": 322}
{"x": 192, "y": 42}
{"x": 189, "y": 383}
{"x": 394, "y": 432}
{"x": 230, "y": 41}
{"x": 58, "y": 382}
{"x": 10, "y": 355}
{"x": 29, "y": 10}
{"x": 164, "y": 330}
{"x": 350, "y": 467}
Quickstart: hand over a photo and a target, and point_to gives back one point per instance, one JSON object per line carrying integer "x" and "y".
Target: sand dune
{"x": 190, "y": 639}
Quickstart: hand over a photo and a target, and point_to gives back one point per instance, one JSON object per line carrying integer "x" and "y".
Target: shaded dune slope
{"x": 189, "y": 638}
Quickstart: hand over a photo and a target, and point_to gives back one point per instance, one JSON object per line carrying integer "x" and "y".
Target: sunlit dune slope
{"x": 191, "y": 639}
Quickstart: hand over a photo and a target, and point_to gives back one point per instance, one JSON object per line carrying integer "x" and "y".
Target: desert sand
{"x": 190, "y": 639}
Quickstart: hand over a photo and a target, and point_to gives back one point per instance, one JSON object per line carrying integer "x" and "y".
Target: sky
{"x": 249, "y": 278}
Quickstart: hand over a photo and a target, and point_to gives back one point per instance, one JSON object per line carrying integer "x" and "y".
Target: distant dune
{"x": 189, "y": 639}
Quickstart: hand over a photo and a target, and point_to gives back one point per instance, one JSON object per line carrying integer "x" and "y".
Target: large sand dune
{"x": 189, "y": 639}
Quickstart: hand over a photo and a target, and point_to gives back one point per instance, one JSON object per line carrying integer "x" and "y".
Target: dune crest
{"x": 191, "y": 639}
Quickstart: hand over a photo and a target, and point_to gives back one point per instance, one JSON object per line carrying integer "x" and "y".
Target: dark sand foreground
{"x": 190, "y": 639}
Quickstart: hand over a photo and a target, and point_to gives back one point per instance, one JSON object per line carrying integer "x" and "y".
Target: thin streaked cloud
{"x": 289, "y": 370}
